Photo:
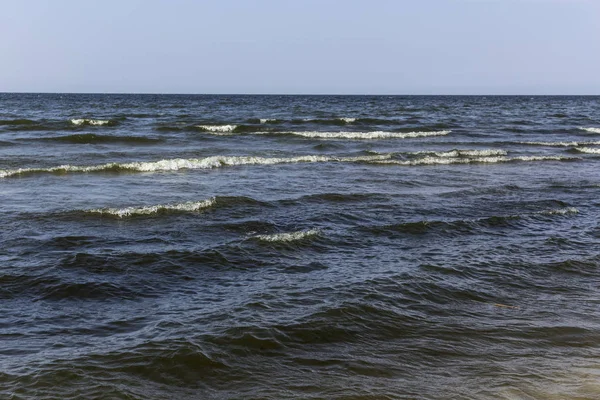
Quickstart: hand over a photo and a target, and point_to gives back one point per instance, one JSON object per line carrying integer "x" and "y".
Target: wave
{"x": 189, "y": 206}
{"x": 20, "y": 121}
{"x": 288, "y": 236}
{"x": 559, "y": 211}
{"x": 194, "y": 163}
{"x": 465, "y": 225}
{"x": 484, "y": 160}
{"x": 591, "y": 130}
{"x": 367, "y": 135}
{"x": 341, "y": 121}
{"x": 91, "y": 122}
{"x": 91, "y": 138}
{"x": 560, "y": 144}
{"x": 466, "y": 153}
{"x": 267, "y": 120}
{"x": 588, "y": 150}
{"x": 45, "y": 287}
{"x": 218, "y": 128}
{"x": 226, "y": 129}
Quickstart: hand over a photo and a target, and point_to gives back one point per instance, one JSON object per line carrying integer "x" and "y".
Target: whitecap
{"x": 88, "y": 121}
{"x": 560, "y": 211}
{"x": 218, "y": 128}
{"x": 194, "y": 163}
{"x": 553, "y": 144}
{"x": 588, "y": 150}
{"x": 466, "y": 153}
{"x": 367, "y": 135}
{"x": 485, "y": 160}
{"x": 288, "y": 236}
{"x": 190, "y": 206}
{"x": 591, "y": 130}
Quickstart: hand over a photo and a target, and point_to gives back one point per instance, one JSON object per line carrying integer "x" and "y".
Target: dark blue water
{"x": 271, "y": 247}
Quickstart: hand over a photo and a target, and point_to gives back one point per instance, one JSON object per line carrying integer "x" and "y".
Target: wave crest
{"x": 466, "y": 153}
{"x": 560, "y": 144}
{"x": 591, "y": 130}
{"x": 190, "y": 206}
{"x": 90, "y": 122}
{"x": 484, "y": 160}
{"x": 217, "y": 128}
{"x": 588, "y": 150}
{"x": 195, "y": 163}
{"x": 288, "y": 236}
{"x": 367, "y": 135}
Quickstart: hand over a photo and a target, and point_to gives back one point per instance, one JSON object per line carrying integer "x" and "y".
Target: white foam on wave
{"x": 347, "y": 120}
{"x": 588, "y": 150}
{"x": 190, "y": 206}
{"x": 88, "y": 121}
{"x": 288, "y": 236}
{"x": 266, "y": 120}
{"x": 466, "y": 153}
{"x": 560, "y": 211}
{"x": 194, "y": 163}
{"x": 591, "y": 130}
{"x": 367, "y": 135}
{"x": 218, "y": 128}
{"x": 484, "y": 160}
{"x": 557, "y": 144}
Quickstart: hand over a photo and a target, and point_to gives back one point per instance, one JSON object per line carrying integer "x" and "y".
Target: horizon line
{"x": 299, "y": 94}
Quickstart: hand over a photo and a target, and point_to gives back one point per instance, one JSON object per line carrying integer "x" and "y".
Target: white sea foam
{"x": 288, "y": 236}
{"x": 218, "y": 128}
{"x": 88, "y": 121}
{"x": 560, "y": 211}
{"x": 466, "y": 153}
{"x": 555, "y": 144}
{"x": 194, "y": 163}
{"x": 485, "y": 160}
{"x": 368, "y": 135}
{"x": 591, "y": 130}
{"x": 265, "y": 120}
{"x": 588, "y": 150}
{"x": 148, "y": 210}
{"x": 347, "y": 120}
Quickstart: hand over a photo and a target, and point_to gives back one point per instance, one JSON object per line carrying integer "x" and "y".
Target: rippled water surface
{"x": 273, "y": 247}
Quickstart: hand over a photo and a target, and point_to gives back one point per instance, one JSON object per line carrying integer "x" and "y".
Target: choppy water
{"x": 277, "y": 247}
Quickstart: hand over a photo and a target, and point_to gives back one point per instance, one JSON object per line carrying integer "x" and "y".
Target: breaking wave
{"x": 588, "y": 150}
{"x": 218, "y": 128}
{"x": 91, "y": 122}
{"x": 367, "y": 135}
{"x": 194, "y": 163}
{"x": 466, "y": 153}
{"x": 288, "y": 236}
{"x": 484, "y": 160}
{"x": 560, "y": 144}
{"x": 190, "y": 206}
{"x": 591, "y": 130}
{"x": 560, "y": 211}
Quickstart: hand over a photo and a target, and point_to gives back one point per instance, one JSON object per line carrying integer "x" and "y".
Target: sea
{"x": 299, "y": 247}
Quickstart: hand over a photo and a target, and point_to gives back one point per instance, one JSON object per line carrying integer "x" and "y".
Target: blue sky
{"x": 302, "y": 46}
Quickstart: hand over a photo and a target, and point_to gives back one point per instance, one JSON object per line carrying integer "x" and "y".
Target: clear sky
{"x": 301, "y": 46}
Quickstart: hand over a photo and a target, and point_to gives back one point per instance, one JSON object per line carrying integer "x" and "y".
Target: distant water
{"x": 282, "y": 247}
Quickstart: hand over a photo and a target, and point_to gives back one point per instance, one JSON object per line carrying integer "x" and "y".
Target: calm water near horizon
{"x": 284, "y": 247}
